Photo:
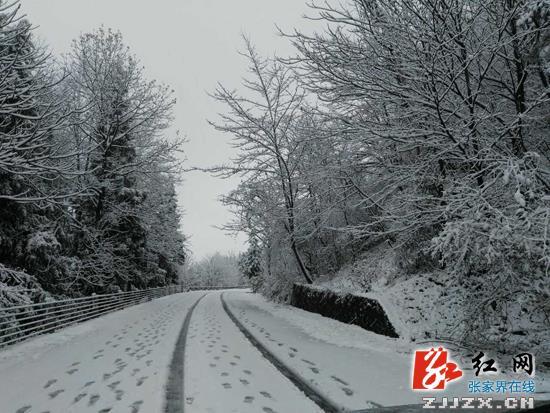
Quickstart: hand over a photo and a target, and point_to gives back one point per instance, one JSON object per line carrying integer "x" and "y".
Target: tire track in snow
{"x": 174, "y": 402}
{"x": 320, "y": 400}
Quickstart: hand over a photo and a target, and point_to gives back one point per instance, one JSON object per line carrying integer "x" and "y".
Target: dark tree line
{"x": 87, "y": 171}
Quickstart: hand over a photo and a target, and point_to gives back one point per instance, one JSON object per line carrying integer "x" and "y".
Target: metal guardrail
{"x": 22, "y": 322}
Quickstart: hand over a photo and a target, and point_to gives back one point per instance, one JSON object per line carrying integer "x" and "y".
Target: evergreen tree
{"x": 165, "y": 245}
{"x": 118, "y": 136}
{"x": 250, "y": 262}
{"x": 31, "y": 162}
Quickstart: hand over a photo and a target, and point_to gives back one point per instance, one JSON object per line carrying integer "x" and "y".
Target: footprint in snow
{"x": 93, "y": 399}
{"x": 248, "y": 399}
{"x": 23, "y": 409}
{"x": 49, "y": 383}
{"x": 114, "y": 385}
{"x": 226, "y": 385}
{"x": 135, "y": 406}
{"x": 265, "y": 394}
{"x": 71, "y": 371}
{"x": 79, "y": 397}
{"x": 56, "y": 393}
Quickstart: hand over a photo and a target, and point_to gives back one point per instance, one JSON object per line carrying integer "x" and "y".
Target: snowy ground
{"x": 121, "y": 362}
{"x": 355, "y": 368}
{"x": 225, "y": 373}
{"x": 116, "y": 363}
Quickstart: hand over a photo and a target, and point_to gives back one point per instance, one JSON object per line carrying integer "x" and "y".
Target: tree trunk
{"x": 301, "y": 264}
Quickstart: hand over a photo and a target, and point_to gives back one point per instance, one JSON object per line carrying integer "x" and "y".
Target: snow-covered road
{"x": 116, "y": 363}
{"x": 225, "y": 373}
{"x": 353, "y": 368}
{"x": 187, "y": 352}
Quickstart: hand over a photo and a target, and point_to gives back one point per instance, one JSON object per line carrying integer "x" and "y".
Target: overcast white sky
{"x": 190, "y": 45}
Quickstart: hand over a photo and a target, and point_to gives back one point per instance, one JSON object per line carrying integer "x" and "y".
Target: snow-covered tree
{"x": 215, "y": 270}
{"x": 34, "y": 165}
{"x": 261, "y": 123}
{"x": 30, "y": 112}
{"x": 119, "y": 125}
{"x": 165, "y": 246}
{"x": 250, "y": 262}
{"x": 446, "y": 106}
{"x": 417, "y": 125}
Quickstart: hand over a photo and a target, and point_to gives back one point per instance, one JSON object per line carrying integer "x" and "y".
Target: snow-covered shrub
{"x": 42, "y": 245}
{"x": 495, "y": 246}
{"x": 376, "y": 266}
{"x": 43, "y": 258}
{"x": 250, "y": 262}
{"x": 279, "y": 287}
{"x": 19, "y": 288}
{"x": 250, "y": 265}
